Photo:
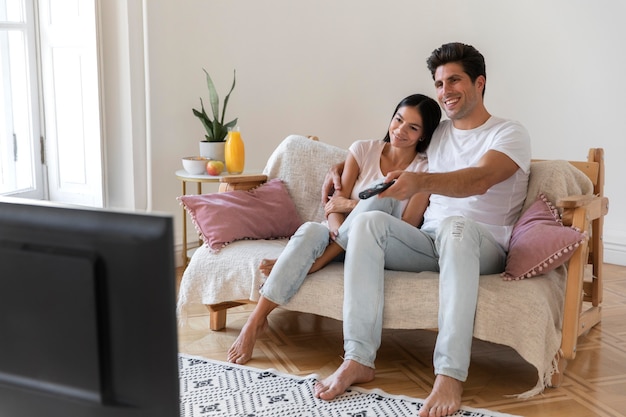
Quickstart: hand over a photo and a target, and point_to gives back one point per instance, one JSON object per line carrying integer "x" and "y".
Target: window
{"x": 20, "y": 171}
{"x": 60, "y": 161}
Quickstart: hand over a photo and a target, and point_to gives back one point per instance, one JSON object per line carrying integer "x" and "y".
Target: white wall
{"x": 336, "y": 69}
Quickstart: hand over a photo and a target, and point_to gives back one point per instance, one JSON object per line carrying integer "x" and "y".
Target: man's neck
{"x": 477, "y": 118}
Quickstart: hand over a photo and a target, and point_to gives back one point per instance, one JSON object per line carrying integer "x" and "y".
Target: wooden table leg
{"x": 185, "y": 259}
{"x": 199, "y": 192}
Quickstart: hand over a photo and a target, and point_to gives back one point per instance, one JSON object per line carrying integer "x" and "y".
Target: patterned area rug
{"x": 219, "y": 389}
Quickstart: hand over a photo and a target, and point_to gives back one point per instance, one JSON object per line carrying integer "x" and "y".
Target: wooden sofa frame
{"x": 583, "y": 293}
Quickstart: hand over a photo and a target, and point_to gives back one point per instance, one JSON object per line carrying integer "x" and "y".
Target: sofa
{"x": 540, "y": 315}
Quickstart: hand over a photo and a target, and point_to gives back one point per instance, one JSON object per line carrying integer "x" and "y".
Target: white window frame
{"x": 65, "y": 102}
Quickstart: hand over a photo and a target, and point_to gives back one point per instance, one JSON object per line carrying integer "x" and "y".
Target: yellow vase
{"x": 234, "y": 153}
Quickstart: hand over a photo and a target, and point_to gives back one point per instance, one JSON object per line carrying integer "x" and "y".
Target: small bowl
{"x": 195, "y": 165}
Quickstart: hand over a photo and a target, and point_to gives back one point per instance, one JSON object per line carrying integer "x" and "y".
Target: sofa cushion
{"x": 265, "y": 212}
{"x": 540, "y": 242}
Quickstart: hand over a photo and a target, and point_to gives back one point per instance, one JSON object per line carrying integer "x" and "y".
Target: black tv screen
{"x": 87, "y": 312}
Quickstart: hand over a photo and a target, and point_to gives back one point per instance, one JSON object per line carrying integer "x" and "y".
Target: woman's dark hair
{"x": 431, "y": 116}
{"x": 472, "y": 61}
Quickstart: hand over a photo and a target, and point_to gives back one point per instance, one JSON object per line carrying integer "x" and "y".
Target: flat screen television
{"x": 87, "y": 312}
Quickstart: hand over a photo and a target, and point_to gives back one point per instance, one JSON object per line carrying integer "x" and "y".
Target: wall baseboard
{"x": 178, "y": 257}
{"x": 614, "y": 246}
{"x": 178, "y": 254}
{"x": 615, "y": 254}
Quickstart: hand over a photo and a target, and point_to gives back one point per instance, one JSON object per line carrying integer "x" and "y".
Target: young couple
{"x": 475, "y": 179}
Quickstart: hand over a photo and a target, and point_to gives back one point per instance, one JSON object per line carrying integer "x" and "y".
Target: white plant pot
{"x": 213, "y": 150}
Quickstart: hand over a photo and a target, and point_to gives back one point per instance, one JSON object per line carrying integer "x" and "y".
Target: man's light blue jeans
{"x": 461, "y": 250}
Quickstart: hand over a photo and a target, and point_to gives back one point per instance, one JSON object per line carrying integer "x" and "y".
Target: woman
{"x": 408, "y": 136}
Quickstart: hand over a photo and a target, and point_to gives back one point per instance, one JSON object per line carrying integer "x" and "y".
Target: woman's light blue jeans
{"x": 461, "y": 250}
{"x": 308, "y": 244}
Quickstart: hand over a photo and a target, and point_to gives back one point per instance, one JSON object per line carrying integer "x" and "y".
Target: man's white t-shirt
{"x": 452, "y": 149}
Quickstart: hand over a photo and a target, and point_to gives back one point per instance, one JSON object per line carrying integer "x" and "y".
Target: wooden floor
{"x": 301, "y": 344}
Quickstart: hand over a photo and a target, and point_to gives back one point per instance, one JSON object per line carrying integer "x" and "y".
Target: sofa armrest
{"x": 581, "y": 212}
{"x": 241, "y": 182}
{"x": 594, "y": 207}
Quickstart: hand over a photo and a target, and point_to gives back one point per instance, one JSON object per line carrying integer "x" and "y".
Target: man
{"x": 477, "y": 178}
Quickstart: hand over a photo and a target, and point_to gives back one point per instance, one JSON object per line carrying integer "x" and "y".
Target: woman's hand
{"x": 337, "y": 204}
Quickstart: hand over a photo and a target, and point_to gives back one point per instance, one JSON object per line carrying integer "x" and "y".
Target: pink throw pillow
{"x": 265, "y": 212}
{"x": 539, "y": 242}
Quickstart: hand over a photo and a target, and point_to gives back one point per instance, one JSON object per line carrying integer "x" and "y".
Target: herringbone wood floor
{"x": 301, "y": 344}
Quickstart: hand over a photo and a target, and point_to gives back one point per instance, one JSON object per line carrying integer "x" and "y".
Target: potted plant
{"x": 216, "y": 129}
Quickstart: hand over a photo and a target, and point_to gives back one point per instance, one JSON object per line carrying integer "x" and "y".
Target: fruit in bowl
{"x": 214, "y": 167}
{"x": 195, "y": 165}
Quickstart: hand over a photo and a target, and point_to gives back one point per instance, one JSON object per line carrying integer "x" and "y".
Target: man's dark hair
{"x": 467, "y": 56}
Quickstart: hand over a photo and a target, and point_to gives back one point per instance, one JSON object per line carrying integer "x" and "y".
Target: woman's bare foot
{"x": 444, "y": 399}
{"x": 241, "y": 351}
{"x": 350, "y": 372}
{"x": 266, "y": 266}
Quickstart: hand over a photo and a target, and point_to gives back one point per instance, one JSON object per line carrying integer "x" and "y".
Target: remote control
{"x": 377, "y": 189}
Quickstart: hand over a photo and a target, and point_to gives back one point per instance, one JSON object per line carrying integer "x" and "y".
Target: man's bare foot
{"x": 444, "y": 399}
{"x": 266, "y": 266}
{"x": 241, "y": 351}
{"x": 350, "y": 372}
